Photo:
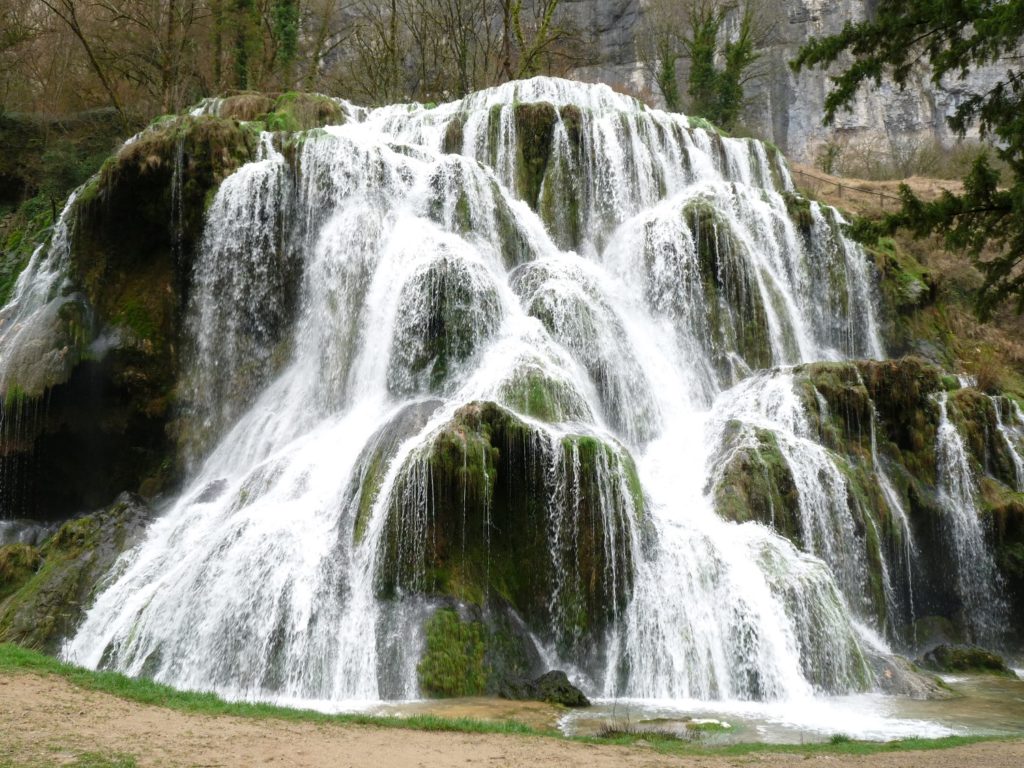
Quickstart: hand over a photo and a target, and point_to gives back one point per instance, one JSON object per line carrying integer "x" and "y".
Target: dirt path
{"x": 46, "y": 720}
{"x": 864, "y": 197}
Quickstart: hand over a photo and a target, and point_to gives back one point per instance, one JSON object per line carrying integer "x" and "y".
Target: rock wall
{"x": 784, "y": 107}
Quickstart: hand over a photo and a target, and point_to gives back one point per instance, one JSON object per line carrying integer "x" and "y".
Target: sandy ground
{"x": 46, "y": 720}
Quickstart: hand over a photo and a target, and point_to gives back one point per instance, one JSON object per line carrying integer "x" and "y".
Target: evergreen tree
{"x": 951, "y": 37}
{"x": 717, "y": 93}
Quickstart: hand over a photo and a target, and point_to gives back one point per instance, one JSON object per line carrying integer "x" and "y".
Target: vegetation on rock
{"x": 136, "y": 225}
{"x": 453, "y": 658}
{"x": 964, "y": 658}
{"x": 487, "y": 482}
{"x": 45, "y": 592}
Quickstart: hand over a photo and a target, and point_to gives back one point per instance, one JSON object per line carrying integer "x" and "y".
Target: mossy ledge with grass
{"x": 17, "y": 660}
{"x": 895, "y": 401}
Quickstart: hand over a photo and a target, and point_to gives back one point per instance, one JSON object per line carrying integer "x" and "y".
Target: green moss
{"x": 247, "y": 107}
{"x": 14, "y": 397}
{"x": 799, "y": 208}
{"x": 973, "y": 412}
{"x": 369, "y": 488}
{"x": 453, "y": 658}
{"x": 295, "y": 111}
{"x": 25, "y": 229}
{"x": 636, "y": 489}
{"x": 756, "y": 483}
{"x": 17, "y": 564}
{"x": 964, "y": 658}
{"x": 535, "y": 125}
{"x": 281, "y": 122}
{"x": 533, "y": 393}
{"x": 453, "y": 135}
{"x": 452, "y": 308}
{"x": 906, "y": 285}
{"x": 47, "y": 605}
{"x": 493, "y": 486}
{"x": 135, "y": 316}
{"x": 737, "y": 318}
{"x": 704, "y": 124}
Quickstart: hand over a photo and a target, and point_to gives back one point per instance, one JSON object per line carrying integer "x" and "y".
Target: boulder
{"x": 54, "y": 585}
{"x": 553, "y": 687}
{"x": 964, "y": 658}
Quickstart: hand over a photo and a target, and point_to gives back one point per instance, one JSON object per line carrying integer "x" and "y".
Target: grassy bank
{"x": 14, "y": 659}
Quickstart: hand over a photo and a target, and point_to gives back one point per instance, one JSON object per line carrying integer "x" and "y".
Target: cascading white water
{"x": 30, "y": 356}
{"x": 900, "y": 602}
{"x": 662, "y": 269}
{"x": 1012, "y": 431}
{"x": 975, "y": 575}
{"x": 826, "y": 519}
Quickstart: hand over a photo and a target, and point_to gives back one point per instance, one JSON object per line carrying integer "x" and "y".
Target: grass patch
{"x": 83, "y": 760}
{"x": 16, "y": 659}
{"x": 13, "y": 658}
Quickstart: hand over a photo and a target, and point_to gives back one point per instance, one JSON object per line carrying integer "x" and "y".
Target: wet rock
{"x": 94, "y": 375}
{"x": 896, "y": 676}
{"x": 553, "y": 687}
{"x": 24, "y": 532}
{"x": 964, "y": 658}
{"x": 48, "y": 606}
{"x": 492, "y": 484}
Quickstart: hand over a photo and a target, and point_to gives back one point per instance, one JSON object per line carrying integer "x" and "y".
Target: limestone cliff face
{"x": 784, "y": 107}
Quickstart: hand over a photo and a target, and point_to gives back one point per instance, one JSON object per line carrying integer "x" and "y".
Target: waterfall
{"x": 516, "y": 328}
{"x": 40, "y": 338}
{"x": 901, "y": 604}
{"x": 30, "y": 356}
{"x": 1012, "y": 431}
{"x": 976, "y": 577}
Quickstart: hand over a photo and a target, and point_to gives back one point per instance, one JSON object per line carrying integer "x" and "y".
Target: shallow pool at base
{"x": 984, "y": 705}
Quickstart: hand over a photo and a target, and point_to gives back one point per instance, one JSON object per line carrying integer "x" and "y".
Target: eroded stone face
{"x": 782, "y": 106}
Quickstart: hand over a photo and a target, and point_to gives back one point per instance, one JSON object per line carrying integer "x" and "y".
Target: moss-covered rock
{"x": 974, "y": 413}
{"x": 535, "y": 127}
{"x": 899, "y": 392}
{"x": 47, "y": 607}
{"x": 1004, "y": 508}
{"x": 755, "y": 482}
{"x": 964, "y": 658}
{"x": 878, "y": 417}
{"x": 534, "y": 392}
{"x": 109, "y": 396}
{"x": 553, "y": 687}
{"x": 17, "y": 564}
{"x": 376, "y": 457}
{"x": 907, "y": 286}
{"x": 286, "y": 112}
{"x": 799, "y": 209}
{"x": 452, "y": 663}
{"x": 496, "y": 507}
{"x": 472, "y": 650}
{"x": 548, "y": 156}
{"x": 295, "y": 111}
{"x": 447, "y": 310}
{"x": 737, "y": 319}
{"x": 577, "y": 315}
